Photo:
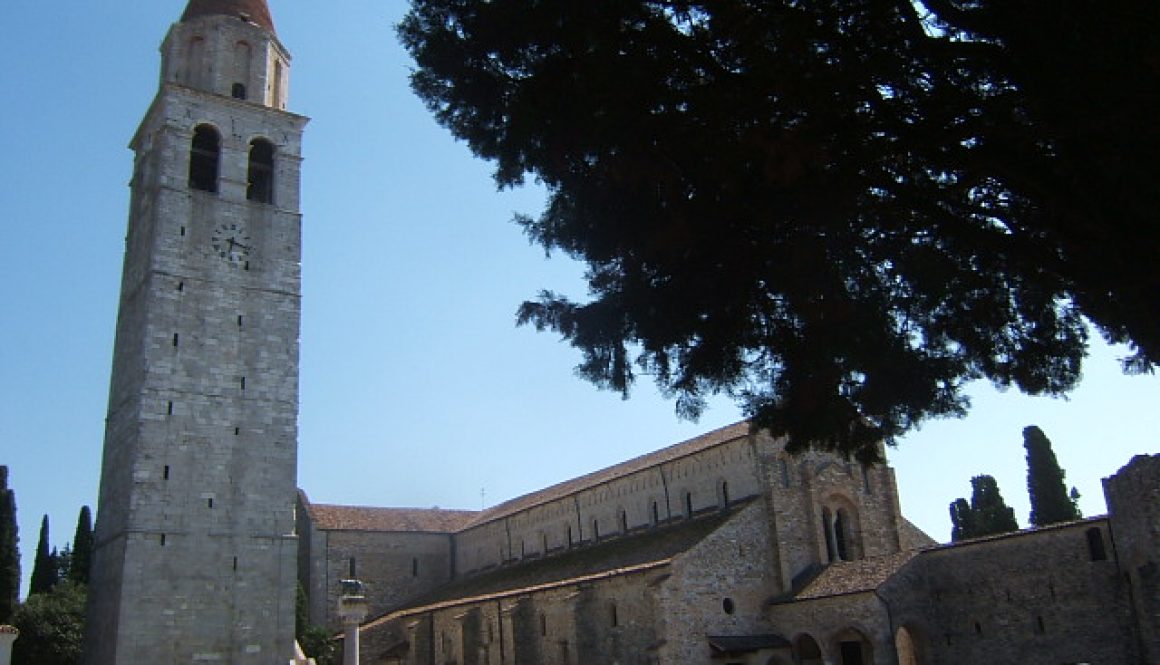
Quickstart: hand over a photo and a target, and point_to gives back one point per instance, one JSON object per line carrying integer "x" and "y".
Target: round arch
{"x": 853, "y": 648}
{"x": 908, "y": 644}
{"x": 806, "y": 650}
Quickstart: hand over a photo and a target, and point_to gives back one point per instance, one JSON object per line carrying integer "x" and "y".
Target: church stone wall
{"x": 1133, "y": 497}
{"x": 720, "y": 587}
{"x": 705, "y": 479}
{"x": 1046, "y": 596}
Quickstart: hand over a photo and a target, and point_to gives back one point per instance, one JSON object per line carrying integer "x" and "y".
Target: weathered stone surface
{"x": 195, "y": 547}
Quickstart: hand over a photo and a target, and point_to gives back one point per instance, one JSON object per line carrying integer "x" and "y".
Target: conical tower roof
{"x": 255, "y": 11}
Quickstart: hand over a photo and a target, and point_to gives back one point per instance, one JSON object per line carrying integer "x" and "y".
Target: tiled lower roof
{"x": 845, "y": 577}
{"x": 647, "y": 549}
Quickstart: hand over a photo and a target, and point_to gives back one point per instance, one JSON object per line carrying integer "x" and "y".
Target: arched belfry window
{"x": 204, "y": 158}
{"x": 261, "y": 172}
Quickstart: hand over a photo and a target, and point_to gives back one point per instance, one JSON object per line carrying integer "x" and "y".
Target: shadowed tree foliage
{"x": 51, "y": 626}
{"x": 44, "y": 567}
{"x": 82, "y": 548}
{"x": 836, "y": 212}
{"x": 9, "y": 552}
{"x": 962, "y": 521}
{"x": 987, "y": 514}
{"x": 1050, "y": 501}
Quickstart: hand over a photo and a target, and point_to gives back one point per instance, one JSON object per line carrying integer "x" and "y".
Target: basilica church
{"x": 723, "y": 549}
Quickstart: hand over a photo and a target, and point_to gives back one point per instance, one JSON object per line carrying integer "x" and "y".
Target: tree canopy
{"x": 837, "y": 212}
{"x": 9, "y": 552}
{"x": 987, "y": 515}
{"x": 1050, "y": 501}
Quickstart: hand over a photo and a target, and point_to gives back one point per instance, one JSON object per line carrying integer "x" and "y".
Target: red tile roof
{"x": 255, "y": 11}
{"x": 365, "y": 518}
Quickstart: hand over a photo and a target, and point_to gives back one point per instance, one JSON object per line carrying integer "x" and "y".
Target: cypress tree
{"x": 1050, "y": 502}
{"x": 989, "y": 511}
{"x": 82, "y": 548}
{"x": 962, "y": 521}
{"x": 44, "y": 575}
{"x": 9, "y": 552}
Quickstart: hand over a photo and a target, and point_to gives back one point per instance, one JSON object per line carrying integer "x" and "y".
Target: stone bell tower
{"x": 195, "y": 550}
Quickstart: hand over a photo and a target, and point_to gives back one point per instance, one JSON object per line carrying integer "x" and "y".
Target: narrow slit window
{"x": 176, "y": 338}
{"x": 261, "y": 172}
{"x": 235, "y": 563}
{"x": 242, "y": 382}
{"x": 165, "y": 473}
{"x": 353, "y": 568}
{"x": 414, "y": 567}
{"x": 209, "y": 502}
{"x": 180, "y": 286}
{"x": 204, "y": 159}
{"x": 163, "y": 540}
{"x": 169, "y": 408}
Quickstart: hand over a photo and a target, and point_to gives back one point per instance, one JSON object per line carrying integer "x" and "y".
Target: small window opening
{"x": 181, "y": 286}
{"x": 238, "y": 91}
{"x": 261, "y": 172}
{"x": 656, "y": 514}
{"x": 237, "y": 431}
{"x": 828, "y": 531}
{"x": 724, "y": 494}
{"x": 543, "y": 625}
{"x": 414, "y": 567}
{"x": 595, "y": 529}
{"x": 169, "y": 408}
{"x": 204, "y": 158}
{"x": 235, "y": 563}
{"x": 840, "y": 526}
{"x": 183, "y": 231}
{"x": 978, "y": 628}
{"x": 1095, "y": 542}
{"x": 728, "y": 606}
{"x": 614, "y": 616}
{"x": 175, "y": 339}
{"x": 243, "y": 382}
{"x": 623, "y": 521}
{"x": 165, "y": 473}
{"x": 1039, "y": 627}
{"x": 163, "y": 540}
{"x": 569, "y": 535}
{"x": 353, "y": 568}
{"x": 239, "y": 320}
{"x": 688, "y": 504}
{"x": 209, "y": 503}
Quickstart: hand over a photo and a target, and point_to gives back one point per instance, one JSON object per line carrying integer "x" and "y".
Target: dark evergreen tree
{"x": 838, "y": 212}
{"x": 82, "y": 548}
{"x": 962, "y": 521}
{"x": 44, "y": 573}
{"x": 9, "y": 551}
{"x": 1050, "y": 503}
{"x": 990, "y": 512}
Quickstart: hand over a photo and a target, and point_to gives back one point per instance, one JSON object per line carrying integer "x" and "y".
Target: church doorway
{"x": 806, "y": 651}
{"x": 854, "y": 648}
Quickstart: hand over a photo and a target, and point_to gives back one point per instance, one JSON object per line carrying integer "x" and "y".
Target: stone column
{"x": 8, "y": 635}
{"x": 352, "y": 609}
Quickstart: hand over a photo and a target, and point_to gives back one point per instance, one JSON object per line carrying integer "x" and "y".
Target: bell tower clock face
{"x": 231, "y": 242}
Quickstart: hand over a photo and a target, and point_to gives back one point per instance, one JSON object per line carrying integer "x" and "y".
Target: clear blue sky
{"x": 417, "y": 388}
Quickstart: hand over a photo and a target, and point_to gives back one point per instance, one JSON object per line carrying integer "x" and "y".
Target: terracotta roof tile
{"x": 636, "y": 552}
{"x": 256, "y": 11}
{"x": 846, "y": 577}
{"x": 365, "y": 518}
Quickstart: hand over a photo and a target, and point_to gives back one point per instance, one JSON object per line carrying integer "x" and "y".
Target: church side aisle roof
{"x": 651, "y": 548}
{"x": 255, "y": 11}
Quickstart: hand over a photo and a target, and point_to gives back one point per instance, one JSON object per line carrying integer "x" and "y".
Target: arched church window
{"x": 841, "y": 526}
{"x": 828, "y": 531}
{"x": 242, "y": 59}
{"x": 688, "y": 504}
{"x": 204, "y": 158}
{"x": 261, "y": 172}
